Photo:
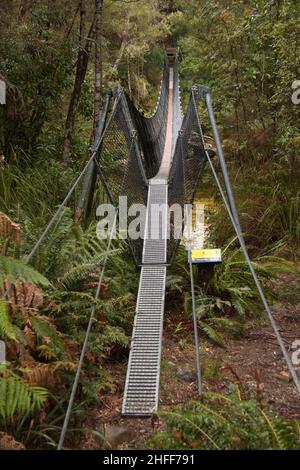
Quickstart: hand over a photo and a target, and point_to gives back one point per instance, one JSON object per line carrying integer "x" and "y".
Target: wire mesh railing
{"x": 186, "y": 170}
{"x": 152, "y": 130}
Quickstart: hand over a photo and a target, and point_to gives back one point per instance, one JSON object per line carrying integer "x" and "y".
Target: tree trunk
{"x": 98, "y": 64}
{"x": 82, "y": 7}
{"x": 81, "y": 68}
{"x": 120, "y": 54}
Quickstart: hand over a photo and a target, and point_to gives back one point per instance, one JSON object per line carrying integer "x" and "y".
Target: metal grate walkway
{"x": 142, "y": 379}
{"x": 142, "y": 383}
{"x": 155, "y": 243}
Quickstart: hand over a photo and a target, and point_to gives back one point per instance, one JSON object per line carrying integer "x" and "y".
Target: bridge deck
{"x": 142, "y": 380}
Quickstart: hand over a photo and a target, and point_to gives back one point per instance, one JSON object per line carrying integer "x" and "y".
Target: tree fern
{"x": 14, "y": 269}
{"x": 220, "y": 421}
{"x": 44, "y": 329}
{"x": 18, "y": 399}
{"x": 231, "y": 295}
{"x": 212, "y": 333}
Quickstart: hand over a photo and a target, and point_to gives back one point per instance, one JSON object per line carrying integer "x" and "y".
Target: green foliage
{"x": 175, "y": 283}
{"x": 226, "y": 422}
{"x": 35, "y": 56}
{"x": 33, "y": 208}
{"x": 73, "y": 258}
{"x": 231, "y": 297}
{"x": 245, "y": 53}
{"x": 18, "y": 400}
{"x": 73, "y": 292}
{"x": 250, "y": 74}
{"x": 6, "y": 326}
{"x": 134, "y": 35}
{"x": 282, "y": 216}
{"x": 112, "y": 336}
{"x": 13, "y": 269}
{"x": 45, "y": 330}
{"x": 38, "y": 49}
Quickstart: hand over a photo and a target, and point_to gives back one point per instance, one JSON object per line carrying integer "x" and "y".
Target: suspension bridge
{"x": 157, "y": 161}
{"x": 161, "y": 167}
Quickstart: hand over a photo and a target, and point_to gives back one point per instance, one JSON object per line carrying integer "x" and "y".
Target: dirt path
{"x": 258, "y": 361}
{"x": 255, "y": 360}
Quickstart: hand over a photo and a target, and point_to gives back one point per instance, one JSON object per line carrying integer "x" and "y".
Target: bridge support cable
{"x": 86, "y": 339}
{"x": 57, "y": 213}
{"x": 222, "y": 160}
{"x": 60, "y": 208}
{"x": 185, "y": 174}
{"x": 235, "y": 222}
{"x": 195, "y": 325}
{"x": 121, "y": 164}
{"x": 70, "y": 192}
{"x": 188, "y": 223}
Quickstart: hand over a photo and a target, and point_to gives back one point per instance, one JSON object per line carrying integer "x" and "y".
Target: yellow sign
{"x": 207, "y": 256}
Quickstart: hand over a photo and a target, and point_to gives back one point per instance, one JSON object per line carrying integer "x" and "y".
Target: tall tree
{"x": 35, "y": 57}
{"x": 98, "y": 62}
{"x": 84, "y": 51}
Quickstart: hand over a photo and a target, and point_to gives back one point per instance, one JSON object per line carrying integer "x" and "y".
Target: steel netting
{"x": 121, "y": 164}
{"x": 132, "y": 150}
{"x": 187, "y": 167}
{"x": 152, "y": 130}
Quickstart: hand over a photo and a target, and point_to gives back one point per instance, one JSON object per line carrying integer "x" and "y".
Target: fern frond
{"x": 9, "y": 229}
{"x": 19, "y": 399}
{"x": 220, "y": 421}
{"x": 6, "y": 326}
{"x": 43, "y": 327}
{"x": 15, "y": 269}
{"x": 212, "y": 333}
